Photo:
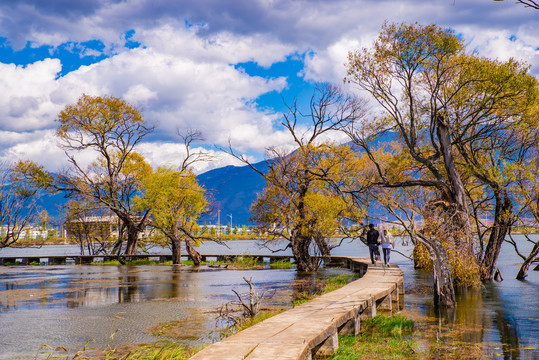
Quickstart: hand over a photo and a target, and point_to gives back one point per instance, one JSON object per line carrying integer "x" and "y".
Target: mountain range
{"x": 231, "y": 189}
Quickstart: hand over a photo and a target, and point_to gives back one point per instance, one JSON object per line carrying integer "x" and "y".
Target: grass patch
{"x": 388, "y": 326}
{"x": 107, "y": 262}
{"x": 158, "y": 351}
{"x": 147, "y": 262}
{"x": 281, "y": 264}
{"x": 335, "y": 282}
{"x": 247, "y": 261}
{"x": 398, "y": 337}
{"x": 12, "y": 263}
{"x": 381, "y": 337}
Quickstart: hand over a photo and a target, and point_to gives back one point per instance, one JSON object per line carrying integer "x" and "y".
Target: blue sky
{"x": 223, "y": 67}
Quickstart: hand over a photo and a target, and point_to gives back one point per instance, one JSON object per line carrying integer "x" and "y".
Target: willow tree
{"x": 493, "y": 125}
{"x": 444, "y": 106}
{"x": 298, "y": 203}
{"x": 176, "y": 202}
{"x": 525, "y": 192}
{"x": 108, "y": 128}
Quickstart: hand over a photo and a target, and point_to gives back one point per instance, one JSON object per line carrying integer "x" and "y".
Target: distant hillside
{"x": 53, "y": 204}
{"x": 233, "y": 189}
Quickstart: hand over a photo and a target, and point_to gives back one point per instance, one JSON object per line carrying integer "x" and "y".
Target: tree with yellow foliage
{"x": 453, "y": 114}
{"x": 300, "y": 202}
{"x": 176, "y": 202}
{"x": 108, "y": 128}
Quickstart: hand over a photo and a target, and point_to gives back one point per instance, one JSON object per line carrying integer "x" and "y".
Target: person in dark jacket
{"x": 372, "y": 242}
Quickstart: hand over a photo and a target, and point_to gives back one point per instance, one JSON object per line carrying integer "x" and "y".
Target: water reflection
{"x": 67, "y": 305}
{"x": 129, "y": 290}
{"x": 484, "y": 316}
{"x": 88, "y": 286}
{"x": 506, "y": 325}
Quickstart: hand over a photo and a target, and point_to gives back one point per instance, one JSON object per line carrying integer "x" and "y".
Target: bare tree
{"x": 111, "y": 128}
{"x": 298, "y": 183}
{"x": 17, "y": 204}
{"x": 190, "y": 137}
{"x": 527, "y": 3}
{"x": 247, "y": 305}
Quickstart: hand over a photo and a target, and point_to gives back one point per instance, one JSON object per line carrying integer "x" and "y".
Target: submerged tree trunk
{"x": 457, "y": 193}
{"x": 176, "y": 250}
{"x": 441, "y": 225}
{"x": 444, "y": 292}
{"x": 499, "y": 229}
{"x": 523, "y": 272}
{"x": 132, "y": 239}
{"x": 134, "y": 227}
{"x": 193, "y": 253}
{"x": 300, "y": 250}
{"x": 322, "y": 245}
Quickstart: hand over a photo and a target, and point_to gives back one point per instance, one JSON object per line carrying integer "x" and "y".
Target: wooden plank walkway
{"x": 311, "y": 329}
{"x": 88, "y": 259}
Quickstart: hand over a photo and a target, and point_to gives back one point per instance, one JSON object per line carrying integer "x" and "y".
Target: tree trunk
{"x": 523, "y": 272}
{"x": 444, "y": 292}
{"x": 195, "y": 255}
{"x": 322, "y": 245}
{"x": 176, "y": 250}
{"x": 117, "y": 248}
{"x": 132, "y": 239}
{"x": 300, "y": 250}
{"x": 499, "y": 229}
{"x": 458, "y": 193}
{"x": 134, "y": 227}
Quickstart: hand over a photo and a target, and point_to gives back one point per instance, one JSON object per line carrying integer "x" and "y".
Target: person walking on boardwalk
{"x": 387, "y": 245}
{"x": 372, "y": 242}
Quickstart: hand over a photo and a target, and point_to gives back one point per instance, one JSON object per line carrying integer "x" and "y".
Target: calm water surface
{"x": 68, "y": 305}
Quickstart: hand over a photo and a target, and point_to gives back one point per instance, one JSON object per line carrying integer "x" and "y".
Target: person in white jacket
{"x": 387, "y": 245}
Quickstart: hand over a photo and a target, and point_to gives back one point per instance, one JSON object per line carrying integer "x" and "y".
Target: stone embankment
{"x": 312, "y": 329}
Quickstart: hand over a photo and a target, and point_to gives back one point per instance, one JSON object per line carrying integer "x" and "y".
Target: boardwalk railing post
{"x": 384, "y": 303}
{"x": 328, "y": 346}
{"x": 400, "y": 286}
{"x": 370, "y": 309}
{"x": 352, "y": 326}
{"x": 395, "y": 296}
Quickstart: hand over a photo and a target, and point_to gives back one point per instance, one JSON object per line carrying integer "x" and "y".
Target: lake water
{"x": 68, "y": 305}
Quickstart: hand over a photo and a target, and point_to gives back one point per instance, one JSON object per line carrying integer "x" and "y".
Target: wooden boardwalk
{"x": 88, "y": 259}
{"x": 311, "y": 329}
